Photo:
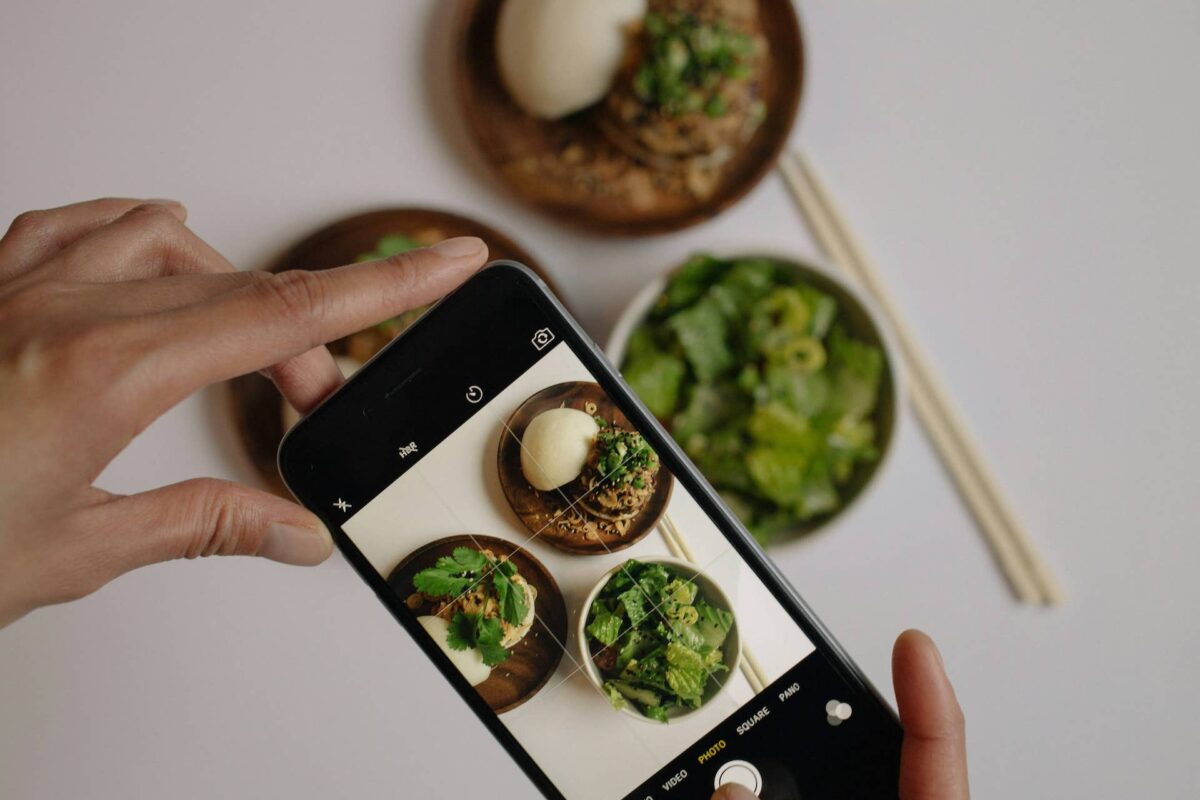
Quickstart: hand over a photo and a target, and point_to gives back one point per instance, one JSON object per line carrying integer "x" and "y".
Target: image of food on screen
{"x": 491, "y": 608}
{"x": 661, "y": 639}
{"x": 577, "y": 473}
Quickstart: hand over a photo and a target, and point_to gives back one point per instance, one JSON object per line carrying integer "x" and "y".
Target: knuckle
{"x": 297, "y": 295}
{"x": 223, "y": 508}
{"x": 155, "y": 222}
{"x": 31, "y": 223}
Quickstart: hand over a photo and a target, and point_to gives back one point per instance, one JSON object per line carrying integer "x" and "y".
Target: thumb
{"x": 205, "y": 517}
{"x": 933, "y": 762}
{"x": 734, "y": 791}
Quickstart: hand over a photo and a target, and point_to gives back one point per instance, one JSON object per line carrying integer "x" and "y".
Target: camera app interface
{"x": 544, "y": 548}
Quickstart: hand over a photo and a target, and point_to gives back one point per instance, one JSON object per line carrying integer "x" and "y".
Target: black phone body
{"x": 408, "y": 460}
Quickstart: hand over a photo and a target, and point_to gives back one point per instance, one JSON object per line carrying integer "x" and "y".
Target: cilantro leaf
{"x": 453, "y": 574}
{"x": 511, "y": 598}
{"x": 488, "y": 635}
{"x": 475, "y": 630}
{"x": 461, "y": 633}
{"x": 438, "y": 582}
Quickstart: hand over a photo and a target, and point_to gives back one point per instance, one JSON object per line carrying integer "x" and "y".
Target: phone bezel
{"x": 672, "y": 457}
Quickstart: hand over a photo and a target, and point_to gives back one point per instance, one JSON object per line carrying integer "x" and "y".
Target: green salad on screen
{"x": 656, "y": 641}
{"x": 758, "y": 380}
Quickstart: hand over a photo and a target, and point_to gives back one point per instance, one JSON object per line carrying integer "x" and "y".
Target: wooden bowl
{"x": 507, "y": 136}
{"x": 255, "y": 400}
{"x": 539, "y": 510}
{"x": 533, "y": 659}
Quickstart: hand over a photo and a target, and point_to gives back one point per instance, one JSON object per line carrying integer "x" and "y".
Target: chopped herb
{"x": 686, "y": 61}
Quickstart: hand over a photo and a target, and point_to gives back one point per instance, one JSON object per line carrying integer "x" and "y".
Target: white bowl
{"x": 706, "y": 588}
{"x": 864, "y": 321}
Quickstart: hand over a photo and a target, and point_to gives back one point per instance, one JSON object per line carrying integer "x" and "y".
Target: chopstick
{"x": 678, "y": 546}
{"x": 1027, "y": 573}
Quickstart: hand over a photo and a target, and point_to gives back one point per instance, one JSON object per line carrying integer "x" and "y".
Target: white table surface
{"x": 1024, "y": 173}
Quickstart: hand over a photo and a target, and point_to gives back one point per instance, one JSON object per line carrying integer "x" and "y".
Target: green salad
{"x": 761, "y": 385}
{"x": 656, "y": 642}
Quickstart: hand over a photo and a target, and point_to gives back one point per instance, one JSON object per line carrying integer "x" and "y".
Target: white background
{"x": 1025, "y": 174}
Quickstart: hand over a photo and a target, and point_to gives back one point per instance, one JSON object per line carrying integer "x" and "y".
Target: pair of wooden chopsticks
{"x": 1027, "y": 573}
{"x": 678, "y": 546}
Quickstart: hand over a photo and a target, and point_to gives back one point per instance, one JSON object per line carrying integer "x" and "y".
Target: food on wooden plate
{"x": 484, "y": 603}
{"x": 760, "y": 383}
{"x": 555, "y": 447}
{"x": 670, "y": 90}
{"x": 690, "y": 95}
{"x": 619, "y": 477}
{"x": 559, "y": 56}
{"x": 599, "y": 476}
{"x": 656, "y": 641}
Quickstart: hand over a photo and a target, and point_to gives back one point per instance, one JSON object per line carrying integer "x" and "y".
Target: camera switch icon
{"x": 542, "y": 338}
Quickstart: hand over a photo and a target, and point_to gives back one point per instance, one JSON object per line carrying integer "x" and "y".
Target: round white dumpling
{"x": 555, "y": 447}
{"x": 559, "y": 56}
{"x": 347, "y": 365}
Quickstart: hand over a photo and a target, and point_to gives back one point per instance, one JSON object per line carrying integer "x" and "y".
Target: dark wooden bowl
{"x": 506, "y": 135}
{"x": 256, "y": 404}
{"x": 538, "y": 510}
{"x": 534, "y": 658}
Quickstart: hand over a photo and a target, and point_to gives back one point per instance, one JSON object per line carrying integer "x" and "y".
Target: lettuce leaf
{"x": 703, "y": 335}
{"x": 605, "y": 626}
{"x": 657, "y": 377}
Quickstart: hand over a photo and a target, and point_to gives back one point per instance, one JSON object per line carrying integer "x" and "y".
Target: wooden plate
{"x": 256, "y": 402}
{"x": 534, "y": 658}
{"x": 537, "y": 510}
{"x": 507, "y": 136}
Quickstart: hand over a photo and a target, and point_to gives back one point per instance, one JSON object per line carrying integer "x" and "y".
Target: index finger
{"x": 274, "y": 319}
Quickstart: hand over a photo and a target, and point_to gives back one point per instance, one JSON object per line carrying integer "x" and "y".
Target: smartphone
{"x": 572, "y": 575}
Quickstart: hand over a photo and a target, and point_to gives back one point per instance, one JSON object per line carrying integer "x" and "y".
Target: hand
{"x": 933, "y": 763}
{"x": 111, "y": 312}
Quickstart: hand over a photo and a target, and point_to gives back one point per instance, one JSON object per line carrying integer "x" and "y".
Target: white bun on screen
{"x": 555, "y": 447}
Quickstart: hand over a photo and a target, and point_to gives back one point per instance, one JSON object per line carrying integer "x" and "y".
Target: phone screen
{"x": 524, "y": 519}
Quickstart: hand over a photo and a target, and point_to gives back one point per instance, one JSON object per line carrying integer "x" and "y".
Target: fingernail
{"x": 296, "y": 544}
{"x": 734, "y": 791}
{"x": 177, "y": 209}
{"x": 459, "y": 247}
